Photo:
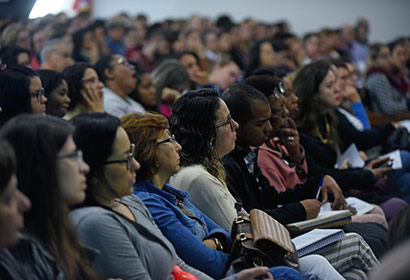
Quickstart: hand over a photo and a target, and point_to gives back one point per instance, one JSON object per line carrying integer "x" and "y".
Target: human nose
{"x": 235, "y": 125}
{"x": 84, "y": 167}
{"x": 135, "y": 165}
{"x": 178, "y": 147}
{"x": 268, "y": 128}
{"x": 43, "y": 99}
{"x": 24, "y": 203}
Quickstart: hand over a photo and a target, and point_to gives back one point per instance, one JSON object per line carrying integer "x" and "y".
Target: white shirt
{"x": 117, "y": 106}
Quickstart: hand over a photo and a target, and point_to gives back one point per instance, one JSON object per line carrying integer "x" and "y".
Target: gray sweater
{"x": 128, "y": 252}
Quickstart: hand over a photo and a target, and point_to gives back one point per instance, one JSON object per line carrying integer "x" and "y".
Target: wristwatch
{"x": 218, "y": 244}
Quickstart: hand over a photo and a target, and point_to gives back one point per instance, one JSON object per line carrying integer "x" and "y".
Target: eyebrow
{"x": 262, "y": 121}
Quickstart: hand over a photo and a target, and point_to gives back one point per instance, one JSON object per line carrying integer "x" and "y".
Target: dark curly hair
{"x": 193, "y": 123}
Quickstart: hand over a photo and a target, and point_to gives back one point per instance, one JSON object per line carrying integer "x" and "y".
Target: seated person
{"x": 197, "y": 239}
{"x": 130, "y": 244}
{"x": 53, "y": 178}
{"x": 84, "y": 90}
{"x": 120, "y": 80}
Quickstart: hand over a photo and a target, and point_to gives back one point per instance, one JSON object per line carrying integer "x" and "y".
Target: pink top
{"x": 277, "y": 170}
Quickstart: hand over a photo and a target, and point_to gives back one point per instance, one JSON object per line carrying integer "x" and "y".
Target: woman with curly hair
{"x": 204, "y": 143}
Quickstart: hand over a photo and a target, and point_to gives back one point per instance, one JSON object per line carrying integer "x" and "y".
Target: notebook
{"x": 362, "y": 207}
{"x": 316, "y": 239}
{"x": 325, "y": 219}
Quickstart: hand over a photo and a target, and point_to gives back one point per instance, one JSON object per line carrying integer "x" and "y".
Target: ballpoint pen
{"x": 319, "y": 188}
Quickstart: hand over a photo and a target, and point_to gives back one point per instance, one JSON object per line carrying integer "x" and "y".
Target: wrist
{"x": 218, "y": 244}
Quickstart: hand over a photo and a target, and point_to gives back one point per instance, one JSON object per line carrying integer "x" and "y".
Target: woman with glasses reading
{"x": 21, "y": 91}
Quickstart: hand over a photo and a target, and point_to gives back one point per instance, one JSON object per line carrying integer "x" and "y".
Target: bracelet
{"x": 218, "y": 244}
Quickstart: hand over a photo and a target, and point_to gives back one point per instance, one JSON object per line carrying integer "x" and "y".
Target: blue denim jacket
{"x": 185, "y": 233}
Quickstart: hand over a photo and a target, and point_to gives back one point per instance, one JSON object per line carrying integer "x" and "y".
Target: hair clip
{"x": 3, "y": 67}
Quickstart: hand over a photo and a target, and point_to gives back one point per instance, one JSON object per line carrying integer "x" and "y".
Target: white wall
{"x": 388, "y": 18}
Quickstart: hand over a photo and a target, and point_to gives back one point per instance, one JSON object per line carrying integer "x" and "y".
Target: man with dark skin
{"x": 251, "y": 109}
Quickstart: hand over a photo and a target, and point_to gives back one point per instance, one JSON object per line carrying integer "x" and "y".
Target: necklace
{"x": 325, "y": 139}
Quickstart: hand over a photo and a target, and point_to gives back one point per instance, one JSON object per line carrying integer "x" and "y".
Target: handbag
{"x": 260, "y": 240}
{"x": 399, "y": 139}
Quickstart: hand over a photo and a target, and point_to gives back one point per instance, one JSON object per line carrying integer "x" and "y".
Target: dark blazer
{"x": 365, "y": 139}
{"x": 254, "y": 191}
{"x": 321, "y": 159}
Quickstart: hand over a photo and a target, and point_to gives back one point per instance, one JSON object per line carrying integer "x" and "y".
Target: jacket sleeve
{"x": 363, "y": 139}
{"x": 188, "y": 246}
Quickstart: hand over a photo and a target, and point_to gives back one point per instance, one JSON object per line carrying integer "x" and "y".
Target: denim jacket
{"x": 185, "y": 232}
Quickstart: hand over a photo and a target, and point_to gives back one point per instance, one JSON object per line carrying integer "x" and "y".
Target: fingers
{"x": 379, "y": 161}
{"x": 255, "y": 273}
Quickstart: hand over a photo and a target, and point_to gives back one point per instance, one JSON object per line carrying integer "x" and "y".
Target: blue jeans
{"x": 284, "y": 272}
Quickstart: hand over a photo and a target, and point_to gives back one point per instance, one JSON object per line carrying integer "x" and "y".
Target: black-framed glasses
{"x": 77, "y": 155}
{"x": 38, "y": 94}
{"x": 279, "y": 90}
{"x": 229, "y": 121}
{"x": 128, "y": 161}
{"x": 170, "y": 139}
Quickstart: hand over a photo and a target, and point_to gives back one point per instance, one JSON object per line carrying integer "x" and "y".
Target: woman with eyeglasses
{"x": 130, "y": 244}
{"x": 84, "y": 90}
{"x": 197, "y": 239}
{"x": 21, "y": 91}
{"x": 51, "y": 173}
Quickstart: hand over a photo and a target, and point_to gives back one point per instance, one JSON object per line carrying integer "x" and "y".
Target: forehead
{"x": 89, "y": 72}
{"x": 121, "y": 142}
{"x": 223, "y": 110}
{"x": 260, "y": 110}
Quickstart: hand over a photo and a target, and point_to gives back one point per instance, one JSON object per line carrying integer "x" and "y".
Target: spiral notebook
{"x": 316, "y": 239}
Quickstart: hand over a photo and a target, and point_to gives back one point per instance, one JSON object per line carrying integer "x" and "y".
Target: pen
{"x": 319, "y": 188}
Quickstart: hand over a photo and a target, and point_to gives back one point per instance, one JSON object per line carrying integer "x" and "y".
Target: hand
{"x": 351, "y": 94}
{"x": 200, "y": 78}
{"x": 92, "y": 100}
{"x": 210, "y": 243}
{"x": 255, "y": 273}
{"x": 345, "y": 164}
{"x": 291, "y": 144}
{"x": 312, "y": 207}
{"x": 169, "y": 95}
{"x": 330, "y": 186}
{"x": 373, "y": 167}
{"x": 363, "y": 155}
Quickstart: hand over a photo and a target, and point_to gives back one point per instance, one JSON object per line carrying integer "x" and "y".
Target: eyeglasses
{"x": 121, "y": 60}
{"x": 91, "y": 80}
{"x": 128, "y": 161}
{"x": 77, "y": 155}
{"x": 62, "y": 53}
{"x": 229, "y": 121}
{"x": 170, "y": 139}
{"x": 279, "y": 90}
{"x": 38, "y": 94}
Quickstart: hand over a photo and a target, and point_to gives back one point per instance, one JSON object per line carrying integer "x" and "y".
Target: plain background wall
{"x": 388, "y": 19}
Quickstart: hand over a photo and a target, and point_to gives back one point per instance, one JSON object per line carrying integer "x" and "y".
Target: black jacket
{"x": 365, "y": 139}
{"x": 254, "y": 191}
{"x": 321, "y": 159}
